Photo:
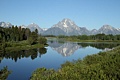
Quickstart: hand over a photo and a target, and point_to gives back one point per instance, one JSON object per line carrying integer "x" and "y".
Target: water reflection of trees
{"x": 100, "y": 45}
{"x": 42, "y": 51}
{"x": 15, "y": 55}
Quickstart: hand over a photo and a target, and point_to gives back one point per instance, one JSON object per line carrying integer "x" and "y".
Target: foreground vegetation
{"x": 101, "y": 66}
{"x": 4, "y": 73}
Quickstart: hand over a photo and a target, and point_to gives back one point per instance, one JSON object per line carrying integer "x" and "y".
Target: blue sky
{"x": 85, "y": 13}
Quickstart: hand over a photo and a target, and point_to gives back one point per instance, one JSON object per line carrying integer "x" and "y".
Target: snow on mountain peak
{"x": 118, "y": 29}
{"x": 34, "y": 26}
{"x": 65, "y": 25}
{"x": 107, "y": 27}
{"x": 44, "y": 29}
{"x": 3, "y": 24}
{"x": 67, "y": 21}
{"x": 32, "y": 23}
{"x": 68, "y": 26}
{"x": 23, "y": 26}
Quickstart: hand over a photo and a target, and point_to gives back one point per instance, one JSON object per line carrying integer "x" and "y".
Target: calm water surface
{"x": 23, "y": 63}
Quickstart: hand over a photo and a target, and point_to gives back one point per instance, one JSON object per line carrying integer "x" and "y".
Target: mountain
{"x": 118, "y": 29}
{"x": 44, "y": 29}
{"x": 3, "y": 24}
{"x": 66, "y": 27}
{"x": 107, "y": 29}
{"x": 34, "y": 26}
{"x": 54, "y": 31}
{"x": 93, "y": 32}
{"x": 84, "y": 31}
{"x": 23, "y": 26}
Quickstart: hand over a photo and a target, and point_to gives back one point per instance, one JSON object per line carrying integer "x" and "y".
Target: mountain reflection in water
{"x": 68, "y": 48}
{"x": 65, "y": 49}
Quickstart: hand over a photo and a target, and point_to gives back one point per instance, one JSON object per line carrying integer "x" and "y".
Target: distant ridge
{"x": 67, "y": 27}
{"x": 34, "y": 26}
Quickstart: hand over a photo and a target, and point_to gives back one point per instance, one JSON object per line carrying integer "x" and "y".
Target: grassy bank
{"x": 78, "y": 40}
{"x": 101, "y": 66}
{"x": 21, "y": 45}
{"x": 26, "y": 47}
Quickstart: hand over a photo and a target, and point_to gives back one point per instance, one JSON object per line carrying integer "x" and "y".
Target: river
{"x": 23, "y": 63}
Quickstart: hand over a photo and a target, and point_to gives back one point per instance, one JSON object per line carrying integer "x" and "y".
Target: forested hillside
{"x": 16, "y": 36}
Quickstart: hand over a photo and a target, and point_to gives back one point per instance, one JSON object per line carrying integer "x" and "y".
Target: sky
{"x": 85, "y": 13}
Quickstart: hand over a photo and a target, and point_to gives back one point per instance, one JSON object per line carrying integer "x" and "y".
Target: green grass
{"x": 21, "y": 45}
{"x": 26, "y": 47}
{"x": 78, "y": 40}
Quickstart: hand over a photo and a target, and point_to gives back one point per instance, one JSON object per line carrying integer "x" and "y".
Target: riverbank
{"x": 78, "y": 40}
{"x": 104, "y": 65}
{"x": 21, "y": 45}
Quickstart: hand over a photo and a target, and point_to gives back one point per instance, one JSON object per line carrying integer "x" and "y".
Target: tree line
{"x": 93, "y": 37}
{"x": 17, "y": 34}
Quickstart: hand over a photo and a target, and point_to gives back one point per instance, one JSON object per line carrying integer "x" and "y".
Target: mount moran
{"x": 67, "y": 27}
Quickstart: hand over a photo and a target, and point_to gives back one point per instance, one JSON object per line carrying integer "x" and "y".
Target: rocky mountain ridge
{"x": 67, "y": 27}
